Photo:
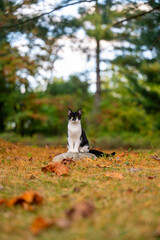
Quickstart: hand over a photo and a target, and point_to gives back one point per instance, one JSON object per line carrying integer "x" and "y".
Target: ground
{"x": 124, "y": 192}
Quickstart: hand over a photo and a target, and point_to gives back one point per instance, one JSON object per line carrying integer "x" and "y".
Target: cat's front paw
{"x": 82, "y": 151}
{"x": 70, "y": 150}
{"x": 75, "y": 151}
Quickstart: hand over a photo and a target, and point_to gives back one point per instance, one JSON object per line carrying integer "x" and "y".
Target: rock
{"x": 74, "y": 156}
{"x": 133, "y": 169}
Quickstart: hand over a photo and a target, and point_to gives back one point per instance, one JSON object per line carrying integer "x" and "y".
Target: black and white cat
{"x": 77, "y": 139}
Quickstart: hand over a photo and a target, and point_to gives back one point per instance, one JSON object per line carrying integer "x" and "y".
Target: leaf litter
{"x": 40, "y": 223}
{"x": 110, "y": 197}
{"x": 26, "y": 200}
{"x": 114, "y": 175}
{"x": 58, "y": 168}
{"x": 81, "y": 210}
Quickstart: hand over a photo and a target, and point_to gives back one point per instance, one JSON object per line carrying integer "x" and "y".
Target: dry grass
{"x": 125, "y": 190}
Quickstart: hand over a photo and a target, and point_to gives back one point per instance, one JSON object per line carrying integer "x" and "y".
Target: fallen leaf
{"x": 64, "y": 195}
{"x": 58, "y": 168}
{"x": 32, "y": 177}
{"x": 81, "y": 210}
{"x": 69, "y": 161}
{"x": 50, "y": 158}
{"x": 40, "y": 224}
{"x": 157, "y": 231}
{"x": 114, "y": 175}
{"x": 151, "y": 177}
{"x": 102, "y": 166}
{"x": 76, "y": 189}
{"x": 129, "y": 190}
{"x": 27, "y": 206}
{"x": 123, "y": 154}
{"x": 156, "y": 157}
{"x": 2, "y": 201}
{"x": 29, "y": 197}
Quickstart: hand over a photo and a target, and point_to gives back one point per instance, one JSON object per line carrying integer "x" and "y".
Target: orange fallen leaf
{"x": 81, "y": 210}
{"x": 123, "y": 154}
{"x": 114, "y": 175}
{"x": 41, "y": 223}
{"x": 27, "y": 206}
{"x": 102, "y": 166}
{"x": 2, "y": 201}
{"x": 58, "y": 168}
{"x": 26, "y": 199}
{"x": 151, "y": 177}
{"x": 129, "y": 190}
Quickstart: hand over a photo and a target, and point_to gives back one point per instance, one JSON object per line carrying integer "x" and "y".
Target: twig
{"x": 136, "y": 16}
{"x": 155, "y": 42}
{"x": 46, "y": 13}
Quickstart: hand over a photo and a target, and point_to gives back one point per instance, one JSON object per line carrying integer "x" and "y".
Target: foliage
{"x": 73, "y": 85}
{"x": 129, "y": 86}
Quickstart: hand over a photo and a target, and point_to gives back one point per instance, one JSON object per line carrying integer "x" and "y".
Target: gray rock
{"x": 133, "y": 169}
{"x": 74, "y": 156}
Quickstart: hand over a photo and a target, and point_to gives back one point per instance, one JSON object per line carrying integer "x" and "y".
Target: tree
{"x": 73, "y": 86}
{"x": 98, "y": 26}
{"x": 139, "y": 66}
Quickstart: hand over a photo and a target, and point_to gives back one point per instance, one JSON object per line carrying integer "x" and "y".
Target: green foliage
{"x": 130, "y": 97}
{"x": 73, "y": 85}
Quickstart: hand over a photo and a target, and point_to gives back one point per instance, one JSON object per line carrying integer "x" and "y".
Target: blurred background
{"x": 102, "y": 56}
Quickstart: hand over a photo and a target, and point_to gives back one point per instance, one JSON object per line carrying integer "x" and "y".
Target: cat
{"x": 76, "y": 138}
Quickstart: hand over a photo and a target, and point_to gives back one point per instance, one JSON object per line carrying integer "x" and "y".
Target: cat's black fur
{"x": 84, "y": 140}
{"x": 84, "y": 144}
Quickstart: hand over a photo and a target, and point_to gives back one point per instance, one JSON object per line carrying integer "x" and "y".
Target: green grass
{"x": 128, "y": 140}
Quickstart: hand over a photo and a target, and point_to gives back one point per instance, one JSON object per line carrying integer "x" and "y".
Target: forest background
{"x": 121, "y": 38}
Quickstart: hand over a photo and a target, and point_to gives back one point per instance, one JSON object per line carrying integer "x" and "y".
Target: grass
{"x": 125, "y": 208}
{"x": 125, "y": 140}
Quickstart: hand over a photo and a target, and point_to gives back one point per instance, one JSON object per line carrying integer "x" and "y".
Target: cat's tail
{"x": 101, "y": 154}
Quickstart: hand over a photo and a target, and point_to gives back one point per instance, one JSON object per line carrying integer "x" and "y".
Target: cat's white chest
{"x": 74, "y": 130}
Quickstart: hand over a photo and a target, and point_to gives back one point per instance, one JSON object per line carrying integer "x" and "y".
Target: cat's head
{"x": 74, "y": 116}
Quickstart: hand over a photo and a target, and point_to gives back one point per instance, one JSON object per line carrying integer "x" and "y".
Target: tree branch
{"x": 155, "y": 42}
{"x": 46, "y": 13}
{"x": 136, "y": 16}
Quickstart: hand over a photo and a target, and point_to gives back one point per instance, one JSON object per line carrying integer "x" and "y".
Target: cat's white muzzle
{"x": 75, "y": 121}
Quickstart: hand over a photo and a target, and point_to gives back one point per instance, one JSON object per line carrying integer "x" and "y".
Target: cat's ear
{"x": 79, "y": 111}
{"x": 69, "y": 111}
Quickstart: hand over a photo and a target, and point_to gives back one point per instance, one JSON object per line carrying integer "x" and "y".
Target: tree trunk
{"x": 98, "y": 80}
